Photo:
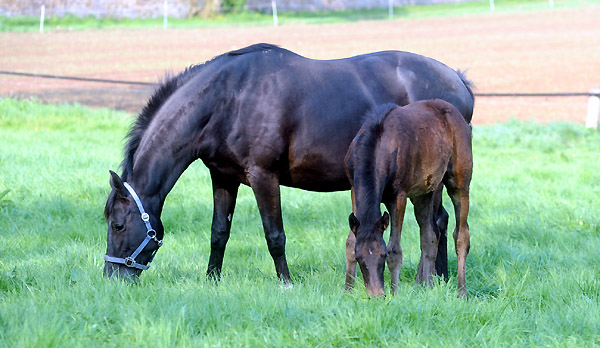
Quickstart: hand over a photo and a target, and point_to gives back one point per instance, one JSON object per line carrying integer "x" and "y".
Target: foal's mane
{"x": 161, "y": 94}
{"x": 363, "y": 154}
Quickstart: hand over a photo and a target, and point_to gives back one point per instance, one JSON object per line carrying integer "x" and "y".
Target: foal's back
{"x": 419, "y": 143}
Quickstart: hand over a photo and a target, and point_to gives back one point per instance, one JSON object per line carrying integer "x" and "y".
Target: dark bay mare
{"x": 399, "y": 153}
{"x": 261, "y": 116}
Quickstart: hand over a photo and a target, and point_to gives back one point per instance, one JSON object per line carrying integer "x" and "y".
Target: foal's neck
{"x": 368, "y": 196}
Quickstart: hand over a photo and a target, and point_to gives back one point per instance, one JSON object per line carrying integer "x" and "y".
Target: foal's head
{"x": 131, "y": 243}
{"x": 370, "y": 251}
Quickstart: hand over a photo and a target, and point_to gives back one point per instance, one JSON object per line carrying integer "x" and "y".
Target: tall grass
{"x": 532, "y": 272}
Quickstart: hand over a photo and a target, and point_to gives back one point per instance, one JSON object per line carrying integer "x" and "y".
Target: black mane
{"x": 169, "y": 85}
{"x": 161, "y": 94}
{"x": 253, "y": 48}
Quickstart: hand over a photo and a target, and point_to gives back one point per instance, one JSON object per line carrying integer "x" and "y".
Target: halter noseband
{"x": 150, "y": 235}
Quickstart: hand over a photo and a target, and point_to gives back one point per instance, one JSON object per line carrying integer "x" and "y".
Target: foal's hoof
{"x": 462, "y": 293}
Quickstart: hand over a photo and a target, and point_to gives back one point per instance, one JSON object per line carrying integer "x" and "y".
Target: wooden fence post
{"x": 593, "y": 110}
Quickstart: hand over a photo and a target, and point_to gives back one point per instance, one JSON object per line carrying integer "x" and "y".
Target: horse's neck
{"x": 170, "y": 144}
{"x": 157, "y": 167}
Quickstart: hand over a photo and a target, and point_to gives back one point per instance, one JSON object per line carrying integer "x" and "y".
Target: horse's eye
{"x": 118, "y": 227}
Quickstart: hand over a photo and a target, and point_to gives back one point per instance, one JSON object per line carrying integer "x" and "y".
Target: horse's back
{"x": 267, "y": 106}
{"x": 317, "y": 88}
{"x": 427, "y": 78}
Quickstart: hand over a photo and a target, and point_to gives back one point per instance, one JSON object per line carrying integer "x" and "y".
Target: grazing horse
{"x": 261, "y": 116}
{"x": 403, "y": 152}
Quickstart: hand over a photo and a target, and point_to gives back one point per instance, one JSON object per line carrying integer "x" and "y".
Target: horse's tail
{"x": 468, "y": 83}
{"x": 470, "y": 86}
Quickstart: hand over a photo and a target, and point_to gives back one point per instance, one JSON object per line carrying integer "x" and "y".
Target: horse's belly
{"x": 319, "y": 186}
{"x": 324, "y": 178}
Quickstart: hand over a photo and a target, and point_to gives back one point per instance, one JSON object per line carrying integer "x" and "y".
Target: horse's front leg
{"x": 265, "y": 186}
{"x": 396, "y": 208}
{"x": 224, "y": 197}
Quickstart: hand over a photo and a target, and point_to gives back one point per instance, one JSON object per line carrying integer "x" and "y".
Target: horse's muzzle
{"x": 119, "y": 271}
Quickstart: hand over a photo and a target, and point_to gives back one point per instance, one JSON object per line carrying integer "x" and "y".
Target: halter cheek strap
{"x": 150, "y": 235}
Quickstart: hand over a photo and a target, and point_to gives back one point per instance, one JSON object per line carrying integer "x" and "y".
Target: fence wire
{"x": 139, "y": 83}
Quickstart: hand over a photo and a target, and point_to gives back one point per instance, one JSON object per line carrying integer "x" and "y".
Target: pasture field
{"x": 532, "y": 272}
{"x": 526, "y": 49}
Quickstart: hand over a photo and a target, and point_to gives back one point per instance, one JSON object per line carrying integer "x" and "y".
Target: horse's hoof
{"x": 286, "y": 286}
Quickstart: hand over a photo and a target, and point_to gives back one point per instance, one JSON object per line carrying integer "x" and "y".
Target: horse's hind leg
{"x": 396, "y": 208}
{"x": 429, "y": 237}
{"x": 441, "y": 220}
{"x": 265, "y": 186}
{"x": 224, "y": 197}
{"x": 350, "y": 257}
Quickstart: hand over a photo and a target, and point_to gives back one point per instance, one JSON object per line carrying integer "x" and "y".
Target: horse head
{"x": 132, "y": 241}
{"x": 370, "y": 252}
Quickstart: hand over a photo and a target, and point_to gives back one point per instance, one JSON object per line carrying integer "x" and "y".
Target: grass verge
{"x": 71, "y": 22}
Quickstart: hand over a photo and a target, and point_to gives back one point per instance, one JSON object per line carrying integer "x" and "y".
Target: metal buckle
{"x": 152, "y": 235}
{"x": 129, "y": 261}
{"x": 145, "y": 217}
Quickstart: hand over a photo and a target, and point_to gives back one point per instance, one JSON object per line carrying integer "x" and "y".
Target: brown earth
{"x": 545, "y": 51}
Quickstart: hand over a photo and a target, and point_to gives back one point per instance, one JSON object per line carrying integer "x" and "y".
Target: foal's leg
{"x": 441, "y": 220}
{"x": 429, "y": 237}
{"x": 460, "y": 199}
{"x": 394, "y": 257}
{"x": 224, "y": 196}
{"x": 350, "y": 261}
{"x": 265, "y": 185}
{"x": 350, "y": 257}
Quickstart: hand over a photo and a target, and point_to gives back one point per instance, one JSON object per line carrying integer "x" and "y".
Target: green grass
{"x": 532, "y": 272}
{"x": 70, "y": 22}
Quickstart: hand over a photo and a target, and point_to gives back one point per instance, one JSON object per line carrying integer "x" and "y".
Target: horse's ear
{"x": 353, "y": 221}
{"x": 384, "y": 222}
{"x": 117, "y": 184}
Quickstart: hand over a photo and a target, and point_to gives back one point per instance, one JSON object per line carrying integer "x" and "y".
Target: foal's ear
{"x": 117, "y": 184}
{"x": 353, "y": 221}
{"x": 384, "y": 222}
